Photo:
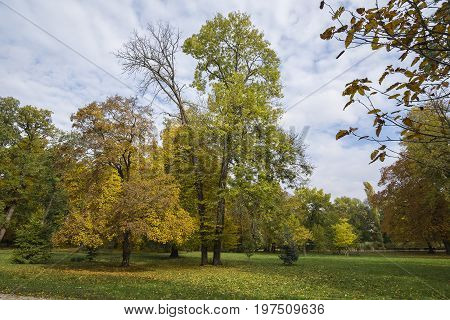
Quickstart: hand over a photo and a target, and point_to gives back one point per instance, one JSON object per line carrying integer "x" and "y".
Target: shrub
{"x": 32, "y": 241}
{"x": 289, "y": 254}
{"x": 249, "y": 247}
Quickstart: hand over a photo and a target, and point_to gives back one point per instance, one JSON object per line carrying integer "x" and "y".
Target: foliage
{"x": 27, "y": 174}
{"x": 414, "y": 209}
{"x": 239, "y": 73}
{"x": 344, "y": 237}
{"x": 32, "y": 241}
{"x": 419, "y": 32}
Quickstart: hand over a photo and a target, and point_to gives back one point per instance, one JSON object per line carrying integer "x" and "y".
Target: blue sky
{"x": 38, "y": 70}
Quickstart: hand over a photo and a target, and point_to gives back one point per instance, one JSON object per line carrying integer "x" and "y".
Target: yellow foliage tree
{"x": 344, "y": 237}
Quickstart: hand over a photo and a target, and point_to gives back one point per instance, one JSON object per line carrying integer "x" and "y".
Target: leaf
{"x": 375, "y": 44}
{"x": 338, "y": 13}
{"x": 374, "y": 154}
{"x": 394, "y": 96}
{"x": 383, "y": 76}
{"x": 348, "y": 39}
{"x": 322, "y": 3}
{"x": 360, "y": 10}
{"x": 327, "y": 34}
{"x": 341, "y": 133}
{"x": 392, "y": 87}
{"x": 342, "y": 29}
{"x": 378, "y": 130}
{"x": 415, "y": 61}
{"x": 407, "y": 121}
{"x": 374, "y": 111}
{"x": 403, "y": 56}
{"x": 348, "y": 103}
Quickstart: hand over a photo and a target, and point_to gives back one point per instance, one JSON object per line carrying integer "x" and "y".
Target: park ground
{"x": 154, "y": 276}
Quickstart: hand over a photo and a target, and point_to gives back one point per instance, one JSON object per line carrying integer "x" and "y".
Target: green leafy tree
{"x": 26, "y": 177}
{"x": 32, "y": 241}
{"x": 240, "y": 73}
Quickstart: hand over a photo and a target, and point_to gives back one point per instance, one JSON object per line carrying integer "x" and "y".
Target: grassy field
{"x": 154, "y": 276}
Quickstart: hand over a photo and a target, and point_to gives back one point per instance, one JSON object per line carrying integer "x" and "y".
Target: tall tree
{"x": 25, "y": 177}
{"x": 153, "y": 58}
{"x": 240, "y": 73}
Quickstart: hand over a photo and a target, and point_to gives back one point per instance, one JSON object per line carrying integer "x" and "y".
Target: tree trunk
{"x": 446, "y": 245}
{"x": 217, "y": 251}
{"x": 220, "y": 215}
{"x": 431, "y": 250}
{"x": 273, "y": 248}
{"x": 204, "y": 251}
{"x": 220, "y": 219}
{"x": 9, "y": 214}
{"x": 174, "y": 251}
{"x": 126, "y": 249}
{"x": 304, "y": 249}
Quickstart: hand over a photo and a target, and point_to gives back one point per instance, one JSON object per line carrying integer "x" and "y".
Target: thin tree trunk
{"x": 273, "y": 247}
{"x": 174, "y": 251}
{"x": 446, "y": 245}
{"x": 431, "y": 250}
{"x": 204, "y": 251}
{"x": 126, "y": 249}
{"x": 9, "y": 214}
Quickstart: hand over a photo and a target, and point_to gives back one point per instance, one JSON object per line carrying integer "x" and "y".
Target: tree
{"x": 371, "y": 199}
{"x": 117, "y": 134}
{"x": 414, "y": 209}
{"x": 33, "y": 242}
{"x": 344, "y": 237}
{"x": 419, "y": 32}
{"x": 153, "y": 57}
{"x": 359, "y": 216}
{"x": 240, "y": 73}
{"x": 25, "y": 161}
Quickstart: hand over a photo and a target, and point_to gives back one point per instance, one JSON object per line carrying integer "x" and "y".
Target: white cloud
{"x": 38, "y": 70}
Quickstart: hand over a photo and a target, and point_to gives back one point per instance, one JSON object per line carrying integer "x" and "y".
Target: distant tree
{"x": 419, "y": 32}
{"x": 359, "y": 216}
{"x": 371, "y": 199}
{"x": 344, "y": 237}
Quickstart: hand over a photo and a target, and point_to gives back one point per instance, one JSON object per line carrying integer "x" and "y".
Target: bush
{"x": 32, "y": 241}
{"x": 249, "y": 247}
{"x": 289, "y": 254}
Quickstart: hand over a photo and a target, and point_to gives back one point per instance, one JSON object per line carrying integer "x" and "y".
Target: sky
{"x": 39, "y": 67}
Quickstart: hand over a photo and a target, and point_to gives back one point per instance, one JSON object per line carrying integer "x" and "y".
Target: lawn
{"x": 154, "y": 276}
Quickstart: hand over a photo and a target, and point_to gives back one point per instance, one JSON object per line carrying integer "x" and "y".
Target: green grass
{"x": 153, "y": 276}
